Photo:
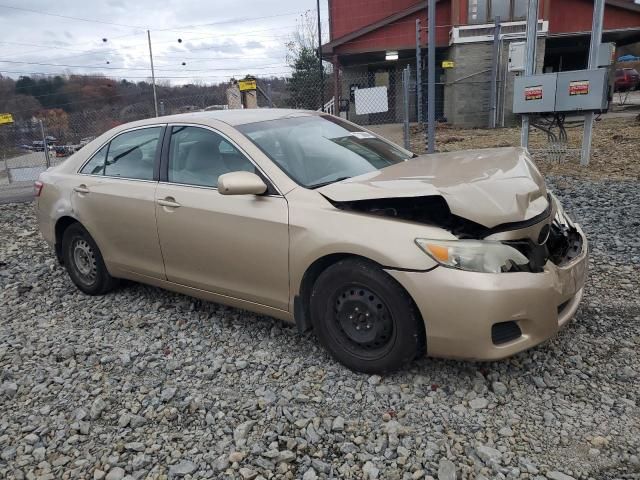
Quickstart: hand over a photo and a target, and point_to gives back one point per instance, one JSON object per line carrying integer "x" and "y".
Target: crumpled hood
{"x": 489, "y": 186}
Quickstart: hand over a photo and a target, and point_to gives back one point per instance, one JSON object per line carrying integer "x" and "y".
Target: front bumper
{"x": 460, "y": 308}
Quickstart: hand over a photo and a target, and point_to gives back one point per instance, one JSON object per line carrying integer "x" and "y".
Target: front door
{"x": 115, "y": 201}
{"x": 231, "y": 245}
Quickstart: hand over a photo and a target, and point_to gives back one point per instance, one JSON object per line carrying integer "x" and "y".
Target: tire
{"x": 364, "y": 318}
{"x": 84, "y": 263}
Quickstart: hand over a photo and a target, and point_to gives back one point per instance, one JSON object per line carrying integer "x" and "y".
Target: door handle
{"x": 81, "y": 189}
{"x": 168, "y": 202}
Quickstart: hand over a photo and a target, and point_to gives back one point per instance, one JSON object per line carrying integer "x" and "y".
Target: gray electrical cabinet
{"x": 575, "y": 91}
{"x": 582, "y": 90}
{"x": 535, "y": 93}
{"x": 606, "y": 54}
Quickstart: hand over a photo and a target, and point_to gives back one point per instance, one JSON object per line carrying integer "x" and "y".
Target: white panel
{"x": 371, "y": 100}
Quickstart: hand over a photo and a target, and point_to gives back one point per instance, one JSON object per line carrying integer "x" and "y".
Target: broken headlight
{"x": 473, "y": 255}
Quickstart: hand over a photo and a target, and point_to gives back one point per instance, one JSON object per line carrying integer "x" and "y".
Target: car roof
{"x": 232, "y": 117}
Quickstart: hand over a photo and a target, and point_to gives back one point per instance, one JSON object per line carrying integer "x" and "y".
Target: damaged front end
{"x": 548, "y": 236}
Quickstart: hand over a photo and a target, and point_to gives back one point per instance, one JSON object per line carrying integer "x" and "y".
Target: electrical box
{"x": 606, "y": 54}
{"x": 582, "y": 90}
{"x": 516, "y": 56}
{"x": 575, "y": 91}
{"x": 535, "y": 93}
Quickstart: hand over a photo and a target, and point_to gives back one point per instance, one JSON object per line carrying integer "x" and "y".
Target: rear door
{"x": 115, "y": 200}
{"x": 231, "y": 245}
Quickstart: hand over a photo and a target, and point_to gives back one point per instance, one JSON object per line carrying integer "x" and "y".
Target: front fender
{"x": 318, "y": 229}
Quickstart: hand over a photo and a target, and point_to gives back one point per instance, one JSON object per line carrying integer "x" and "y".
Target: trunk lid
{"x": 489, "y": 186}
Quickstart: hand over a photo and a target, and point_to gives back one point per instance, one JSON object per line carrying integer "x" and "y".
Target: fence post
{"x": 530, "y": 62}
{"x": 419, "y": 71}
{"x": 493, "y": 102}
{"x": 406, "y": 75}
{"x": 269, "y": 95}
{"x": 44, "y": 145}
{"x": 431, "y": 73}
{"x": 594, "y": 47}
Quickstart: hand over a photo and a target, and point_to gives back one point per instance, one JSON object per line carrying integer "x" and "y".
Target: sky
{"x": 215, "y": 39}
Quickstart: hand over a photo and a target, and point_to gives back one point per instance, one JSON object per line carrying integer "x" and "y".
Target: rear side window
{"x": 132, "y": 154}
{"x": 95, "y": 166}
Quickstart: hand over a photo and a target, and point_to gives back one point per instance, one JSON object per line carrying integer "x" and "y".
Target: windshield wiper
{"x": 322, "y": 184}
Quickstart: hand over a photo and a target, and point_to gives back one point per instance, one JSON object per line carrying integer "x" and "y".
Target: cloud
{"x": 253, "y": 44}
{"x": 218, "y": 41}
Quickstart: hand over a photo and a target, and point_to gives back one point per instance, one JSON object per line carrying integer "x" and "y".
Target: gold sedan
{"x": 314, "y": 220}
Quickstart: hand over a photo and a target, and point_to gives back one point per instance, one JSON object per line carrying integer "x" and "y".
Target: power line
{"x": 80, "y": 19}
{"x": 63, "y": 74}
{"x": 140, "y": 27}
{"x": 129, "y": 68}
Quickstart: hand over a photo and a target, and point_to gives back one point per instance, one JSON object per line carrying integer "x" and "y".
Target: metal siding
{"x": 401, "y": 34}
{"x": 567, "y": 16}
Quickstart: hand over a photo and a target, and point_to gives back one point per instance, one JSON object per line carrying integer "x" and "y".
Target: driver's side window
{"x": 198, "y": 156}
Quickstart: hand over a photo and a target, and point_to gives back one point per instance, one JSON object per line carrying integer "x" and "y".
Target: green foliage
{"x": 305, "y": 82}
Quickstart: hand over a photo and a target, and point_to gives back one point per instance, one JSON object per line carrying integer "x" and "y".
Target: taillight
{"x": 37, "y": 188}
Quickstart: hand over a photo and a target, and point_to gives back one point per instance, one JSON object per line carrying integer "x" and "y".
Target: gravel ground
{"x": 144, "y": 383}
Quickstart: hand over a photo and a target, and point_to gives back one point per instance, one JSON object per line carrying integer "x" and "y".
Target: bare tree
{"x": 304, "y": 38}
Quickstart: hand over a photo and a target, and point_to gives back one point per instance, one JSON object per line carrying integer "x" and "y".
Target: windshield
{"x": 319, "y": 149}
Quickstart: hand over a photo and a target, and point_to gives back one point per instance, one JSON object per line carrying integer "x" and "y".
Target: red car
{"x": 626, "y": 79}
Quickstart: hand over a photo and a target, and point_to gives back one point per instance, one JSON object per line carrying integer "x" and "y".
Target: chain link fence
{"x": 391, "y": 100}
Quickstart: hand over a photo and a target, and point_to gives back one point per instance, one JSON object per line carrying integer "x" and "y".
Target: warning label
{"x": 579, "y": 87}
{"x": 533, "y": 93}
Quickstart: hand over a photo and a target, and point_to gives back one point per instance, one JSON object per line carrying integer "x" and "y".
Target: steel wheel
{"x": 84, "y": 260}
{"x": 363, "y": 318}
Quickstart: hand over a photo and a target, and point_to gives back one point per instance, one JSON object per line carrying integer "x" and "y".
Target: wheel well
{"x": 61, "y": 226}
{"x": 302, "y": 312}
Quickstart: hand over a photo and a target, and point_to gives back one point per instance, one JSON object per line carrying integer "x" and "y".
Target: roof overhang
{"x": 619, "y": 36}
{"x": 328, "y": 48}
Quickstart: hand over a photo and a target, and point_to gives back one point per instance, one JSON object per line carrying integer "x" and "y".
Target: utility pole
{"x": 153, "y": 75}
{"x": 418, "y": 71}
{"x": 431, "y": 74}
{"x": 44, "y": 145}
{"x": 320, "y": 58}
{"x": 594, "y": 48}
{"x": 530, "y": 61}
{"x": 494, "y": 74}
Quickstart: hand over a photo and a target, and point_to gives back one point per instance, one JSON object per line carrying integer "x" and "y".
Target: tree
{"x": 305, "y": 84}
{"x": 56, "y": 122}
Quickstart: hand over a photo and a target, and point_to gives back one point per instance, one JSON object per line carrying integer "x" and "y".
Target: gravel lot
{"x": 145, "y": 383}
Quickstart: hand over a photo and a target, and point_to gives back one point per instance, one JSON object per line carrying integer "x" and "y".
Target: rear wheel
{"x": 84, "y": 263}
{"x": 364, "y": 318}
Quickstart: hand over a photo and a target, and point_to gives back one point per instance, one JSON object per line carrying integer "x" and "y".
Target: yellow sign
{"x": 247, "y": 85}
{"x": 448, "y": 64}
{"x": 6, "y": 118}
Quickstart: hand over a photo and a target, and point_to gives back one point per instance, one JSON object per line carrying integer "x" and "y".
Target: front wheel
{"x": 364, "y": 318}
{"x": 84, "y": 263}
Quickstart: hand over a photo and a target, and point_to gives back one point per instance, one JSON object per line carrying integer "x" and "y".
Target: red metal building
{"x": 364, "y": 32}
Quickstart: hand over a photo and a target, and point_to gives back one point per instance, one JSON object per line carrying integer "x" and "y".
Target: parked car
{"x": 315, "y": 220}
{"x": 626, "y": 79}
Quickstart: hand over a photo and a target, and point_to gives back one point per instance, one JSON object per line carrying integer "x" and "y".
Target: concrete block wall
{"x": 466, "y": 91}
{"x": 468, "y": 85}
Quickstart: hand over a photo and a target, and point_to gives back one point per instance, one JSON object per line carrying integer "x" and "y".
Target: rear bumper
{"x": 460, "y": 308}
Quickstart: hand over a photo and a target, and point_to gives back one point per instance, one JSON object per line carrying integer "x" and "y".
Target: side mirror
{"x": 241, "y": 183}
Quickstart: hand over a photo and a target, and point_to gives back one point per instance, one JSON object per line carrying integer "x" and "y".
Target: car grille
{"x": 505, "y": 332}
